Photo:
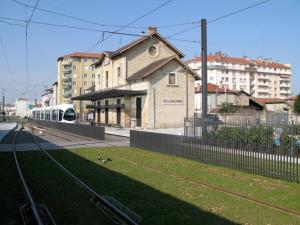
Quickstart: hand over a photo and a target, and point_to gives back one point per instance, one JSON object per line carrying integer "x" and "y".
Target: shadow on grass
{"x": 154, "y": 206}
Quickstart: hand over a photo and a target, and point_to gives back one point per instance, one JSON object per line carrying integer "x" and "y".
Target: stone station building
{"x": 143, "y": 84}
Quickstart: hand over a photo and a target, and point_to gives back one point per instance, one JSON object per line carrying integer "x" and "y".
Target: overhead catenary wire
{"x": 177, "y": 24}
{"x": 95, "y": 22}
{"x": 87, "y": 29}
{"x": 26, "y": 43}
{"x": 236, "y": 12}
{"x": 219, "y": 18}
{"x": 73, "y": 17}
{"x": 37, "y": 2}
{"x": 12, "y": 24}
{"x": 69, "y": 26}
{"x": 132, "y": 22}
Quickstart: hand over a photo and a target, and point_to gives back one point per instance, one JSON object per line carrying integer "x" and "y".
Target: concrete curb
{"x": 114, "y": 134}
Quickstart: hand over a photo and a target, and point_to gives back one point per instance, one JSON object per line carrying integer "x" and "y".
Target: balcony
{"x": 284, "y": 90}
{"x": 67, "y": 95}
{"x": 263, "y": 92}
{"x": 285, "y": 95}
{"x": 67, "y": 86}
{"x": 261, "y": 84}
{"x": 67, "y": 79}
{"x": 263, "y": 79}
{"x": 220, "y": 67}
{"x": 67, "y": 71}
{"x": 251, "y": 68}
{"x": 287, "y": 85}
{"x": 65, "y": 64}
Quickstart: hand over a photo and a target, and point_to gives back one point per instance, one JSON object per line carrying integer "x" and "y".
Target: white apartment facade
{"x": 260, "y": 77}
{"x": 22, "y": 107}
{"x": 49, "y": 97}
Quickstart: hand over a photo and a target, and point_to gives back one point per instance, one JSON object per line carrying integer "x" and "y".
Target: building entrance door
{"x": 106, "y": 111}
{"x": 98, "y": 114}
{"x": 118, "y": 111}
{"x": 138, "y": 112}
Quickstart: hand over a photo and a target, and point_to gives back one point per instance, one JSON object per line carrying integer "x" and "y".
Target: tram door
{"x": 118, "y": 112}
{"x": 106, "y": 111}
{"x": 138, "y": 111}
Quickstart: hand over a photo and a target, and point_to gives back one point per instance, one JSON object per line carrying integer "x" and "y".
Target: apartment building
{"x": 49, "y": 97}
{"x": 143, "y": 84}
{"x": 75, "y": 77}
{"x": 22, "y": 107}
{"x": 262, "y": 78}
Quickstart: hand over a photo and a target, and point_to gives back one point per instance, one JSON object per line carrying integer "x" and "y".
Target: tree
{"x": 297, "y": 104}
{"x": 228, "y": 108}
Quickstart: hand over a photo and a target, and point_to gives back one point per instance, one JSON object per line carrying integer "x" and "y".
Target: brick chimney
{"x": 152, "y": 29}
{"x": 219, "y": 54}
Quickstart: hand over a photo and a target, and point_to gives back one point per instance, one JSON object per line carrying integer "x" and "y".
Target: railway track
{"x": 219, "y": 189}
{"x": 66, "y": 137}
{"x": 115, "y": 210}
{"x": 31, "y": 211}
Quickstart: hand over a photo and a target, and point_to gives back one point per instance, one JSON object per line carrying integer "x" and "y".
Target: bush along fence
{"x": 263, "y": 150}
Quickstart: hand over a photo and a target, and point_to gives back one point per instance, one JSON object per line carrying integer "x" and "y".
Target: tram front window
{"x": 69, "y": 115}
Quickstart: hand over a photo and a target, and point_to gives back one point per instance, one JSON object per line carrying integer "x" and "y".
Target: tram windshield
{"x": 70, "y": 115}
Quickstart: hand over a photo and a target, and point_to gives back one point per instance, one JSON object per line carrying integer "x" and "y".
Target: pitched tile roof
{"x": 148, "y": 70}
{"x": 216, "y": 58}
{"x": 271, "y": 64}
{"x": 246, "y": 61}
{"x": 269, "y": 100}
{"x": 212, "y": 88}
{"x": 292, "y": 98}
{"x": 80, "y": 55}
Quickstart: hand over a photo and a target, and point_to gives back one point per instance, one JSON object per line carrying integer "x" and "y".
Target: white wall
{"x": 22, "y": 108}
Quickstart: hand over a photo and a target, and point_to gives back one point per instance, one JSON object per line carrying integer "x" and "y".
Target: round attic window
{"x": 153, "y": 51}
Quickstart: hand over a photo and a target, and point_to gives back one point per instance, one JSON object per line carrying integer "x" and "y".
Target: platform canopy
{"x": 110, "y": 93}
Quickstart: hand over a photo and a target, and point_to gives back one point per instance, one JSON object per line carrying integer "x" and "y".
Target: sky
{"x": 269, "y": 30}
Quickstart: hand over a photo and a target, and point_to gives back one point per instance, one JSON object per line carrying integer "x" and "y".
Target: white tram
{"x": 64, "y": 113}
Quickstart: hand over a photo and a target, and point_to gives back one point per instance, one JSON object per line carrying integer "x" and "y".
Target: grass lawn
{"x": 149, "y": 183}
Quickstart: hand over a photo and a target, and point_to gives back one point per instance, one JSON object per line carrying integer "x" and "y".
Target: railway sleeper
{"x": 28, "y": 218}
{"x": 112, "y": 214}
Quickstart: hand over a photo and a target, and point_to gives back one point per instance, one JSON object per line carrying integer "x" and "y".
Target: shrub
{"x": 236, "y": 136}
{"x": 297, "y": 104}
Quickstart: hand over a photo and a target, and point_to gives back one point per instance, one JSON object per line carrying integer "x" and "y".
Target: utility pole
{"x": 3, "y": 103}
{"x": 204, "y": 75}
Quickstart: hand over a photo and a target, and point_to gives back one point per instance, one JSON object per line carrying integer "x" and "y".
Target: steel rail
{"x": 46, "y": 130}
{"x": 212, "y": 187}
{"x": 64, "y": 132}
{"x": 85, "y": 187}
{"x": 33, "y": 205}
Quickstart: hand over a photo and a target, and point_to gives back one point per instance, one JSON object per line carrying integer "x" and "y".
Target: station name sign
{"x": 106, "y": 62}
{"x": 172, "y": 101}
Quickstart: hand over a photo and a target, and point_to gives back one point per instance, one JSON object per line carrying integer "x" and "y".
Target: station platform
{"x": 5, "y": 128}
